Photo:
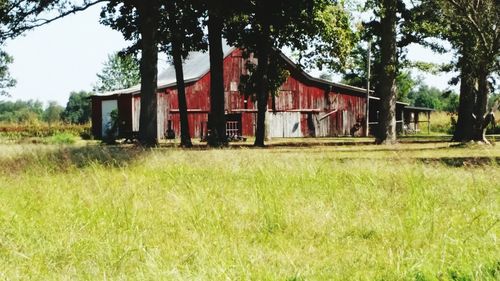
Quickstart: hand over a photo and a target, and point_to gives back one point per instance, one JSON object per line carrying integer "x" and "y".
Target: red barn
{"x": 305, "y": 106}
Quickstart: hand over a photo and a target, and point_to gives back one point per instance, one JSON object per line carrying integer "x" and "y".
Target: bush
{"x": 61, "y": 138}
{"x": 21, "y": 131}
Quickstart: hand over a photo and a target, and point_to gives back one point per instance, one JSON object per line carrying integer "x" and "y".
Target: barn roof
{"x": 197, "y": 65}
{"x": 319, "y": 80}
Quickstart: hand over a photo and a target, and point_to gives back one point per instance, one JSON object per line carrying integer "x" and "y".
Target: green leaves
{"x": 6, "y": 81}
{"x": 78, "y": 109}
{"x": 119, "y": 72}
{"x": 332, "y": 40}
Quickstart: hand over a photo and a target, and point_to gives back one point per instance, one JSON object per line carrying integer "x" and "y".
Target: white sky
{"x": 65, "y": 56}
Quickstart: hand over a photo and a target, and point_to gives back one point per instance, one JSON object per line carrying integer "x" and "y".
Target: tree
{"x": 386, "y": 28}
{"x": 431, "y": 97}
{"x": 78, "y": 108}
{"x": 479, "y": 45}
{"x": 139, "y": 22}
{"x": 472, "y": 28}
{"x": 397, "y": 24}
{"x": 218, "y": 11}
{"x": 263, "y": 27}
{"x": 21, "y": 111}
{"x": 149, "y": 26}
{"x": 6, "y": 81}
{"x": 17, "y": 17}
{"x": 120, "y": 71}
{"x": 181, "y": 33}
{"x": 52, "y": 113}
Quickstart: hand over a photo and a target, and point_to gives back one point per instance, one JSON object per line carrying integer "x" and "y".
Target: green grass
{"x": 313, "y": 210}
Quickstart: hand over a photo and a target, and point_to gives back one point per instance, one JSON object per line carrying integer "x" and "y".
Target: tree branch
{"x": 23, "y": 23}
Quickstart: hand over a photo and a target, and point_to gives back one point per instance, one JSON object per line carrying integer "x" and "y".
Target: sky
{"x": 65, "y": 56}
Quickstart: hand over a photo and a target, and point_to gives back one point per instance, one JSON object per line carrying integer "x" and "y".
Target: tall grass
{"x": 441, "y": 122}
{"x": 318, "y": 213}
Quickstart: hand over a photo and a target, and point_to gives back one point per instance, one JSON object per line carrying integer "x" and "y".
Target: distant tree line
{"x": 77, "y": 111}
{"x": 119, "y": 71}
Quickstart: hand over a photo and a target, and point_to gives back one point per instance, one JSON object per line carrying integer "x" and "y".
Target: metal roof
{"x": 319, "y": 80}
{"x": 195, "y": 66}
{"x": 416, "y": 108}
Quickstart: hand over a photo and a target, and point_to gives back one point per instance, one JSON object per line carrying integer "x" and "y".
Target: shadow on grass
{"x": 66, "y": 158}
{"x": 312, "y": 144}
{"x": 462, "y": 161}
{"x": 454, "y": 162}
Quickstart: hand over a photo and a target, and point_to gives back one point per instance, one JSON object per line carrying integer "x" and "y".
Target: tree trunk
{"x": 465, "y": 123}
{"x": 177, "y": 35}
{"x": 148, "y": 121}
{"x": 387, "y": 85}
{"x": 263, "y": 54}
{"x": 217, "y": 118}
{"x": 181, "y": 94}
{"x": 481, "y": 106}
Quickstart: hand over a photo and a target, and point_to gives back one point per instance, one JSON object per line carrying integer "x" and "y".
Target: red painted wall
{"x": 299, "y": 94}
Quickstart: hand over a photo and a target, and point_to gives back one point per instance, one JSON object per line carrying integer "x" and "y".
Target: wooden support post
{"x": 367, "y": 112}
{"x": 403, "y": 122}
{"x": 429, "y": 123}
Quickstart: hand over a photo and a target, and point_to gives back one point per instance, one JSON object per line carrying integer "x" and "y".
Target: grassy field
{"x": 328, "y": 209}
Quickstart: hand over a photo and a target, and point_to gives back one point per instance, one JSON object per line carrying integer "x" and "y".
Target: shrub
{"x": 61, "y": 138}
{"x": 20, "y": 131}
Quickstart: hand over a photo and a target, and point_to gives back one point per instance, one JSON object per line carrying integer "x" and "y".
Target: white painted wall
{"x": 107, "y": 107}
{"x": 284, "y": 125}
{"x": 136, "y": 112}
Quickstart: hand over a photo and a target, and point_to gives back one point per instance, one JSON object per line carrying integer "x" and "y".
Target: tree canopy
{"x": 121, "y": 71}
{"x": 319, "y": 30}
{"x": 6, "y": 81}
{"x": 78, "y": 108}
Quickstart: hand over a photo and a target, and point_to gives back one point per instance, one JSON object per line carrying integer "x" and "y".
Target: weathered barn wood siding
{"x": 125, "y": 114}
{"x": 300, "y": 104}
{"x": 96, "y": 117}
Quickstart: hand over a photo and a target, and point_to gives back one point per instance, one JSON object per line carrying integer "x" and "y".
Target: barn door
{"x": 107, "y": 107}
{"x": 291, "y": 125}
{"x": 275, "y": 124}
{"x": 285, "y": 125}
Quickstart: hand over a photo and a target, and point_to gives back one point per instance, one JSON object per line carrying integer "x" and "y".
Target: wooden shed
{"x": 304, "y": 107}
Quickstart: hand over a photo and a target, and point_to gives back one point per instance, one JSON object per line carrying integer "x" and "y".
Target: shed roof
{"x": 419, "y": 109}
